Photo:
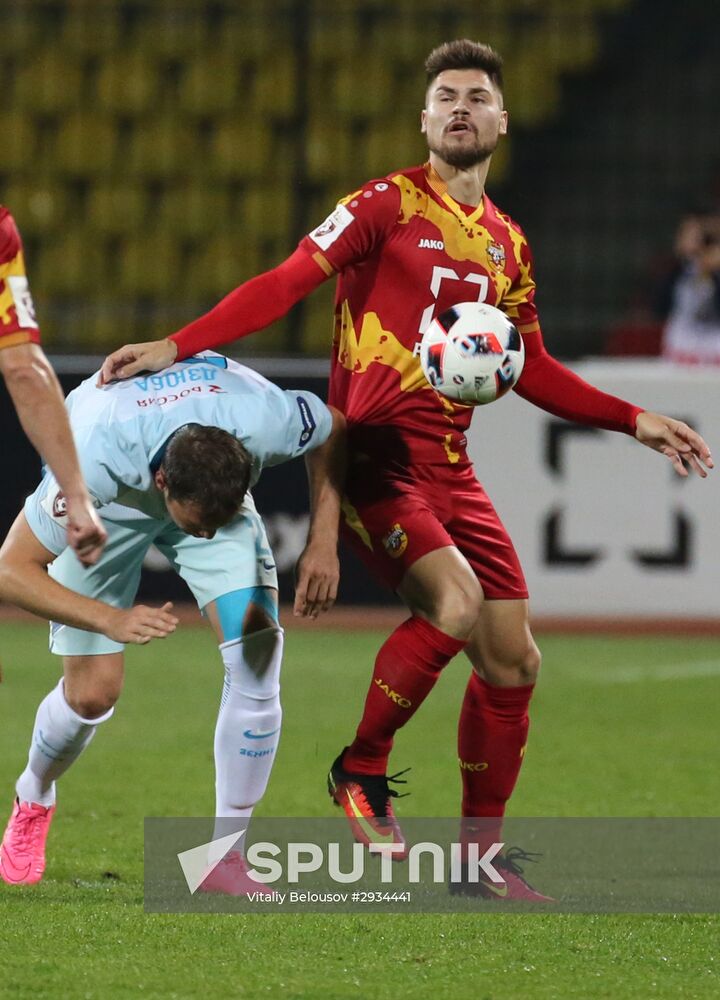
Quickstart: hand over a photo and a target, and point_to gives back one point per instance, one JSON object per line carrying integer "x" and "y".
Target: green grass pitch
{"x": 620, "y": 727}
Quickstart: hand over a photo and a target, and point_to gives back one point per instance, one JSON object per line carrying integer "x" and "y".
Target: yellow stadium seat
{"x": 85, "y": 145}
{"x": 274, "y": 91}
{"x": 127, "y": 83}
{"x": 85, "y": 32}
{"x": 170, "y": 31}
{"x": 241, "y": 148}
{"x": 116, "y": 209}
{"x": 318, "y": 320}
{"x": 267, "y": 213}
{"x": 193, "y": 210}
{"x": 48, "y": 83}
{"x": 149, "y": 265}
{"x": 18, "y": 141}
{"x": 210, "y": 84}
{"x": 19, "y": 30}
{"x": 393, "y": 145}
{"x": 162, "y": 148}
{"x": 363, "y": 87}
{"x": 73, "y": 265}
{"x": 331, "y": 151}
{"x": 221, "y": 264}
{"x": 40, "y": 206}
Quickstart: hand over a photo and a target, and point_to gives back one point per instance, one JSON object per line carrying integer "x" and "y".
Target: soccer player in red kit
{"x": 37, "y": 395}
{"x": 405, "y": 248}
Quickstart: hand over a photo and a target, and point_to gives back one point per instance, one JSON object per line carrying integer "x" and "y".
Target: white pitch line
{"x": 663, "y": 672}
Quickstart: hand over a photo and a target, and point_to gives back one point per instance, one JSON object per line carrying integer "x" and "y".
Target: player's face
{"x": 189, "y": 518}
{"x": 463, "y": 118}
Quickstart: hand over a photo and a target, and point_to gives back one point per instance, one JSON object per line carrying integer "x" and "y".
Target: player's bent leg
{"x": 444, "y": 597}
{"x": 492, "y": 734}
{"x": 65, "y": 723}
{"x": 249, "y": 721}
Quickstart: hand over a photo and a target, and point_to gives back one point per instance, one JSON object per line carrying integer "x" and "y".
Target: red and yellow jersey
{"x": 17, "y": 313}
{"x": 404, "y": 252}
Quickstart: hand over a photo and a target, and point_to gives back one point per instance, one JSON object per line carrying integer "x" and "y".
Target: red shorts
{"x": 391, "y": 520}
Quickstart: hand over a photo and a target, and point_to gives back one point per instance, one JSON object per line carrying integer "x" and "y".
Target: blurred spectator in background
{"x": 37, "y": 395}
{"x": 689, "y": 299}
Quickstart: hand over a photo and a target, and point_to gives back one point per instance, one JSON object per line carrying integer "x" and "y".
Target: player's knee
{"x": 529, "y": 666}
{"x": 93, "y": 702}
{"x": 457, "y": 608}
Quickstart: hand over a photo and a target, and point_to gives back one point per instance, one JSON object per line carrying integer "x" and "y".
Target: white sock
{"x": 59, "y": 737}
{"x": 248, "y": 725}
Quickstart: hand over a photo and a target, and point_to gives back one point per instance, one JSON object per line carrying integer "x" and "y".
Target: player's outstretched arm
{"x": 676, "y": 440}
{"x": 24, "y": 582}
{"x": 40, "y": 407}
{"x": 318, "y": 569}
{"x": 250, "y": 307}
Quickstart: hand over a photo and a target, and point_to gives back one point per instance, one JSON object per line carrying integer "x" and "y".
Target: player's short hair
{"x": 209, "y": 467}
{"x": 462, "y": 53}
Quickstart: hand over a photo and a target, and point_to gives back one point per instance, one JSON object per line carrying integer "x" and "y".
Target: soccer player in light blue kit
{"x": 168, "y": 459}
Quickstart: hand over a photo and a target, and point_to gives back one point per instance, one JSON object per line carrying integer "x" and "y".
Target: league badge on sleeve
{"x": 329, "y": 230}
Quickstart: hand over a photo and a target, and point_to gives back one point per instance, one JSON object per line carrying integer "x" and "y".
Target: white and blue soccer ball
{"x": 472, "y": 353}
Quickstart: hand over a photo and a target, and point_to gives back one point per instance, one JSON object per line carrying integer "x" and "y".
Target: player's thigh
{"x": 232, "y": 575}
{"x": 478, "y": 532}
{"x": 442, "y": 587}
{"x": 114, "y": 579}
{"x": 501, "y": 647}
{"x": 93, "y": 684}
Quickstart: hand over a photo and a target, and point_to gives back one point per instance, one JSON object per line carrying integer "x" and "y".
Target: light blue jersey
{"x": 121, "y": 430}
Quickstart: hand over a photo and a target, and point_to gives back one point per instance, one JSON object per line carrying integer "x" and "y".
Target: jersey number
{"x": 441, "y": 274}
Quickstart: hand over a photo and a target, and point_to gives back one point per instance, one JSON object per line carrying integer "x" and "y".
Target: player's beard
{"x": 463, "y": 158}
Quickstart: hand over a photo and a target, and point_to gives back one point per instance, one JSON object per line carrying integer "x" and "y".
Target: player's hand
{"x": 85, "y": 532}
{"x": 132, "y": 359}
{"x": 317, "y": 575}
{"x": 674, "y": 439}
{"x": 140, "y": 624}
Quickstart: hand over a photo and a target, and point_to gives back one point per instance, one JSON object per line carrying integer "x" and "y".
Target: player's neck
{"x": 464, "y": 186}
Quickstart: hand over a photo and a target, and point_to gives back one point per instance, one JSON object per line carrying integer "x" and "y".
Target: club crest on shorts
{"x": 496, "y": 253}
{"x": 395, "y": 542}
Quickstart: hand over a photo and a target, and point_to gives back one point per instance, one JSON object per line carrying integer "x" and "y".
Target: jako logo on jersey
{"x": 395, "y": 541}
{"x": 468, "y": 765}
{"x": 496, "y": 253}
{"x": 392, "y": 695}
{"x": 431, "y": 244}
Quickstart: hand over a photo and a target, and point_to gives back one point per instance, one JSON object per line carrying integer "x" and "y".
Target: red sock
{"x": 406, "y": 670}
{"x": 491, "y": 744}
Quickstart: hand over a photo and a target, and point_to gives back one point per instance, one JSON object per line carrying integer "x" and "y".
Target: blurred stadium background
{"x": 156, "y": 153}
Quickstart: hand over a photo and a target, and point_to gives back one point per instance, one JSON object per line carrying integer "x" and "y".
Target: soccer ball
{"x": 472, "y": 353}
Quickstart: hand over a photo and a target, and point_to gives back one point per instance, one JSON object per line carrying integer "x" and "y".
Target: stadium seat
{"x": 161, "y": 148}
{"x": 392, "y": 145}
{"x": 40, "y": 207}
{"x": 330, "y": 151}
{"x": 72, "y": 265}
{"x": 193, "y": 210}
{"x": 85, "y": 145}
{"x": 127, "y": 83}
{"x": 224, "y": 262}
{"x": 274, "y": 87}
{"x": 267, "y": 213}
{"x": 210, "y": 84}
{"x": 20, "y": 31}
{"x": 240, "y": 148}
{"x": 84, "y": 33}
{"x": 170, "y": 32}
{"x": 318, "y": 321}
{"x": 116, "y": 209}
{"x": 18, "y": 138}
{"x": 149, "y": 266}
{"x": 50, "y": 82}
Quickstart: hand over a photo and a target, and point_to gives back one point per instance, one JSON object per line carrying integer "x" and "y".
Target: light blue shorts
{"x": 238, "y": 556}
